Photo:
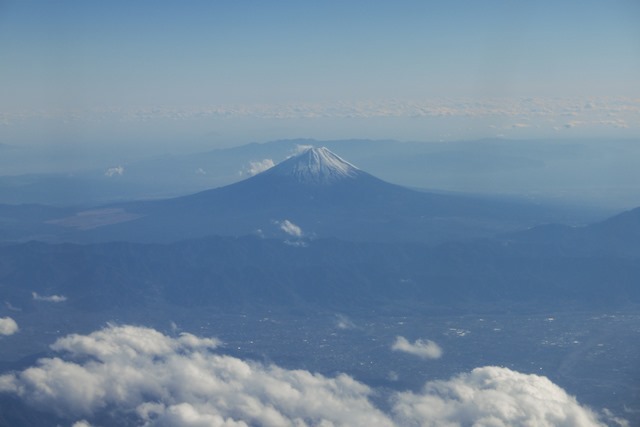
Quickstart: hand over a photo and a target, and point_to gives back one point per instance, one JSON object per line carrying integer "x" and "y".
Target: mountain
{"x": 567, "y": 172}
{"x": 313, "y": 194}
{"x": 316, "y": 166}
{"x": 615, "y": 236}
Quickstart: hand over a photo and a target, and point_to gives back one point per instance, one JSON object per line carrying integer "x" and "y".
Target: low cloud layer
{"x": 8, "y": 326}
{"x": 48, "y": 298}
{"x": 529, "y": 108}
{"x": 425, "y": 349}
{"x": 182, "y": 381}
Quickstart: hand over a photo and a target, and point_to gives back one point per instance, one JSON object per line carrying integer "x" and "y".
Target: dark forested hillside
{"x": 328, "y": 272}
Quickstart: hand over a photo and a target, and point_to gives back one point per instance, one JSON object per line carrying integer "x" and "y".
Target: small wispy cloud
{"x": 257, "y": 167}
{"x": 114, "y": 171}
{"x": 48, "y": 298}
{"x": 8, "y": 326}
{"x": 616, "y": 123}
{"x": 425, "y": 349}
{"x": 343, "y": 322}
{"x": 573, "y": 124}
{"x": 11, "y": 306}
{"x": 301, "y": 148}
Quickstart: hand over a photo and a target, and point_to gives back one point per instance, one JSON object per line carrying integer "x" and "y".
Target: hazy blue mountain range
{"x": 618, "y": 236}
{"x": 312, "y": 194}
{"x": 593, "y": 266}
{"x": 591, "y": 172}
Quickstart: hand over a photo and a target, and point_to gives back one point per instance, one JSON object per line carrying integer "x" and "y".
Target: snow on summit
{"x": 316, "y": 166}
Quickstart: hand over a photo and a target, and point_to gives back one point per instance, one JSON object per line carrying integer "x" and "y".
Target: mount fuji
{"x": 316, "y": 166}
{"x": 313, "y": 194}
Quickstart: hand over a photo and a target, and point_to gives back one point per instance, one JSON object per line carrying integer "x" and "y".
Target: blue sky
{"x": 73, "y": 61}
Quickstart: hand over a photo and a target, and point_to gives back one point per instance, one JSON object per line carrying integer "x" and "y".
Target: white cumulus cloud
{"x": 48, "y": 298}
{"x": 290, "y": 228}
{"x": 492, "y": 396}
{"x": 158, "y": 380}
{"x": 421, "y": 348}
{"x": 8, "y": 326}
{"x": 181, "y": 382}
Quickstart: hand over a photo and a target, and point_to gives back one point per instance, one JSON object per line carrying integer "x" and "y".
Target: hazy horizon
{"x": 220, "y": 74}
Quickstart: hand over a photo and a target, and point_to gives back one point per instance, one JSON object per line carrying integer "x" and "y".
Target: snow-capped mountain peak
{"x": 316, "y": 166}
